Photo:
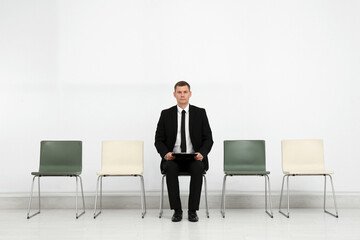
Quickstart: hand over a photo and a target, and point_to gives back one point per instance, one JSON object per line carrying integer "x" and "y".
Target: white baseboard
{"x": 131, "y": 200}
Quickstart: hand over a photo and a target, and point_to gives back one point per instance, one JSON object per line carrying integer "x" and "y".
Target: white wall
{"x": 99, "y": 70}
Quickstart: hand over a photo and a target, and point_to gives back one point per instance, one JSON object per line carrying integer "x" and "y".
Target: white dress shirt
{"x": 189, "y": 146}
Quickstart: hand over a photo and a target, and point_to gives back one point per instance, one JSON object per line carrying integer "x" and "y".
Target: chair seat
{"x": 117, "y": 173}
{"x": 56, "y": 173}
{"x": 247, "y": 172}
{"x": 308, "y": 172}
{"x": 181, "y": 173}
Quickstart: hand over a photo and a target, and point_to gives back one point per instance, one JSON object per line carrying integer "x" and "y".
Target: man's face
{"x": 182, "y": 95}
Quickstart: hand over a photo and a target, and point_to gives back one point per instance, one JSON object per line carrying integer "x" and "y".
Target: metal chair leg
{"x": 223, "y": 197}
{"x": 143, "y": 200}
{"x": 76, "y": 197}
{"x": 82, "y": 192}
{"x": 288, "y": 198}
{"x": 162, "y": 196}
{"x": 96, "y": 196}
{"x": 324, "y": 192}
{"x": 281, "y": 193}
{"x": 324, "y": 207}
{"x": 267, "y": 184}
{"x": 333, "y": 192}
{"x": 206, "y": 199}
{"x": 30, "y": 200}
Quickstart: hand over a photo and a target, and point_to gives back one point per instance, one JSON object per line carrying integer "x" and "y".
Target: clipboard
{"x": 184, "y": 155}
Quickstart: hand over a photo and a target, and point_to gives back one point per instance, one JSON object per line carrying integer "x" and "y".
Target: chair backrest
{"x": 60, "y": 156}
{"x": 302, "y": 155}
{"x": 123, "y": 157}
{"x": 244, "y": 155}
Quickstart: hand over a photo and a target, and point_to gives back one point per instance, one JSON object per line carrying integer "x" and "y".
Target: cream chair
{"x": 304, "y": 158}
{"x": 121, "y": 158}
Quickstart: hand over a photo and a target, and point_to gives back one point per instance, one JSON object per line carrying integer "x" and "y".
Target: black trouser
{"x": 195, "y": 168}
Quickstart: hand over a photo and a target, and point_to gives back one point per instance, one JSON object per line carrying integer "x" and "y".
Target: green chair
{"x": 245, "y": 158}
{"x": 59, "y": 159}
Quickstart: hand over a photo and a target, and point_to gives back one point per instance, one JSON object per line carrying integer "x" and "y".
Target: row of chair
{"x": 299, "y": 158}
{"x": 126, "y": 158}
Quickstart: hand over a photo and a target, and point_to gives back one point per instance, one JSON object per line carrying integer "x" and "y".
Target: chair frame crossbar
{"x": 162, "y": 195}
{"x": 76, "y": 198}
{"x": 99, "y": 184}
{"x": 336, "y": 214}
{"x": 267, "y": 193}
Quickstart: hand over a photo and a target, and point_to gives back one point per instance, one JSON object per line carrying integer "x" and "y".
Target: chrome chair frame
{"x": 267, "y": 184}
{"x": 181, "y": 175}
{"x": 288, "y": 194}
{"x": 76, "y": 198}
{"x": 99, "y": 182}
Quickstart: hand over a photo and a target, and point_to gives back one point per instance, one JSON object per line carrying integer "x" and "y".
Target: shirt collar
{"x": 180, "y": 109}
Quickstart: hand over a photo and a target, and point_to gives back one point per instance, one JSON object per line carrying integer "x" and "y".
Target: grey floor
{"x": 127, "y": 224}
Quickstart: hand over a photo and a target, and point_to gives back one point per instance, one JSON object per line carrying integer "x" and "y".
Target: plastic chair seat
{"x": 56, "y": 173}
{"x": 117, "y": 173}
{"x": 247, "y": 172}
{"x": 307, "y": 172}
{"x": 182, "y": 173}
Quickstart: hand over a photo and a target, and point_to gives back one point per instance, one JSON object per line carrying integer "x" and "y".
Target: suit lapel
{"x": 191, "y": 119}
{"x": 175, "y": 122}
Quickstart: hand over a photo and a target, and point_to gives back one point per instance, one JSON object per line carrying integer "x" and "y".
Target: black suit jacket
{"x": 199, "y": 128}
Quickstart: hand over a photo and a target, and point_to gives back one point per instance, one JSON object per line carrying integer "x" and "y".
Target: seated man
{"x": 183, "y": 128}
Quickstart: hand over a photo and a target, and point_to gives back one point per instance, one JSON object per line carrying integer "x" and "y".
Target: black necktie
{"x": 183, "y": 141}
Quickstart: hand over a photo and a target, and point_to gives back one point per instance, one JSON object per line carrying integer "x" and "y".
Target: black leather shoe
{"x": 192, "y": 216}
{"x": 177, "y": 216}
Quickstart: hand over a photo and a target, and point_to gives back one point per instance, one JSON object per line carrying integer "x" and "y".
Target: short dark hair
{"x": 181, "y": 84}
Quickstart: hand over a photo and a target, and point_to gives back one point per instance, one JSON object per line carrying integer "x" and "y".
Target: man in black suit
{"x": 183, "y": 128}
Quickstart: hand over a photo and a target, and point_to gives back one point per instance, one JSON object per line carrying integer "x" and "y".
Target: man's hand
{"x": 169, "y": 156}
{"x": 199, "y": 156}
